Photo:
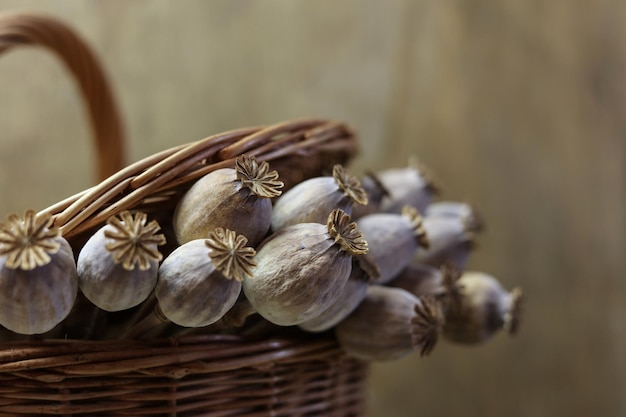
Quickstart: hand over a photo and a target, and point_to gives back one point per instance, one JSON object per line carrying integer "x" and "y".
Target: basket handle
{"x": 23, "y": 28}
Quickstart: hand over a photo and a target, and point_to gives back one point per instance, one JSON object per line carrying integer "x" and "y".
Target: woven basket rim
{"x": 51, "y": 360}
{"x": 158, "y": 179}
{"x": 220, "y": 375}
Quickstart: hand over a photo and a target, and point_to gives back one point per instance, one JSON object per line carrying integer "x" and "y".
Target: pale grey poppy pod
{"x": 118, "y": 265}
{"x": 347, "y": 300}
{"x": 311, "y": 200}
{"x": 393, "y": 240}
{"x": 450, "y": 240}
{"x": 201, "y": 280}
{"x": 389, "y": 324}
{"x": 412, "y": 186}
{"x": 481, "y": 308}
{"x": 238, "y": 199}
{"x": 302, "y": 268}
{"x": 38, "y": 280}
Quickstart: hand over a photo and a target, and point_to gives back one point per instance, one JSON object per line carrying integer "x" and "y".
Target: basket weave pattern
{"x": 201, "y": 374}
{"x": 218, "y": 375}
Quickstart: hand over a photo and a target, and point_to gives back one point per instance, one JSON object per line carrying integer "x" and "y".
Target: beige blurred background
{"x": 518, "y": 106}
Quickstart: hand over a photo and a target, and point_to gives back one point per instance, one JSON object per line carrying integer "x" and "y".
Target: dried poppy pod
{"x": 451, "y": 240}
{"x": 480, "y": 309}
{"x": 419, "y": 279}
{"x": 200, "y": 281}
{"x": 413, "y": 186}
{"x": 347, "y": 300}
{"x": 310, "y": 201}
{"x": 302, "y": 269}
{"x": 38, "y": 282}
{"x": 393, "y": 240}
{"x": 390, "y": 323}
{"x": 117, "y": 267}
{"x": 376, "y": 193}
{"x": 236, "y": 199}
{"x": 471, "y": 216}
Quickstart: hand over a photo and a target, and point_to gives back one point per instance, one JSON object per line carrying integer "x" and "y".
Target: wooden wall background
{"x": 518, "y": 106}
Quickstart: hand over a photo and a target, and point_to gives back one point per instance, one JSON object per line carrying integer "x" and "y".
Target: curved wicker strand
{"x": 120, "y": 357}
{"x": 18, "y": 29}
{"x": 191, "y": 151}
{"x": 262, "y": 136}
{"x": 158, "y": 179}
{"x": 78, "y": 204}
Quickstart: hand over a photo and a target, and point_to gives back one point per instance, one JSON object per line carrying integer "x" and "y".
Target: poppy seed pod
{"x": 471, "y": 216}
{"x": 450, "y": 240}
{"x": 480, "y": 309}
{"x": 347, "y": 300}
{"x": 236, "y": 199}
{"x": 393, "y": 240}
{"x": 118, "y": 265}
{"x": 38, "y": 280}
{"x": 390, "y": 323}
{"x": 375, "y": 191}
{"x": 301, "y": 269}
{"x": 413, "y": 186}
{"x": 310, "y": 201}
{"x": 201, "y": 280}
{"x": 421, "y": 280}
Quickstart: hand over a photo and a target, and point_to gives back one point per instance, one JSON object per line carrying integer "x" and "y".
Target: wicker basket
{"x": 286, "y": 374}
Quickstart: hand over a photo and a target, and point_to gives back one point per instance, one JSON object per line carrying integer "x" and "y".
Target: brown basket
{"x": 287, "y": 374}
